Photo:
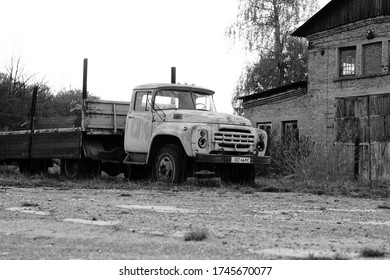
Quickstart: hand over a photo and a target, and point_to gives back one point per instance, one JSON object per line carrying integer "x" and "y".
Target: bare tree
{"x": 264, "y": 26}
{"x": 18, "y": 79}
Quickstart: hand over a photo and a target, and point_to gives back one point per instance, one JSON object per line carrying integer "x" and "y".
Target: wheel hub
{"x": 166, "y": 169}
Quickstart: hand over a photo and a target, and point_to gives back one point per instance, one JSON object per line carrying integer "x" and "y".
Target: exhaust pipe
{"x": 173, "y": 75}
{"x": 85, "y": 74}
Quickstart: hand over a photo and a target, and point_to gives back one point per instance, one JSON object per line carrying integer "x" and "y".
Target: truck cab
{"x": 175, "y": 130}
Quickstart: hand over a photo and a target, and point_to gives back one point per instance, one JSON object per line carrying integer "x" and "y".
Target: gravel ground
{"x": 48, "y": 222}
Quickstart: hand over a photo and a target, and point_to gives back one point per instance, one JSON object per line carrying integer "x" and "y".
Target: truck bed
{"x": 103, "y": 116}
{"x": 62, "y": 137}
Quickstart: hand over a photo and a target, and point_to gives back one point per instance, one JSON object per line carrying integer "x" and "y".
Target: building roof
{"x": 340, "y": 12}
{"x": 274, "y": 91}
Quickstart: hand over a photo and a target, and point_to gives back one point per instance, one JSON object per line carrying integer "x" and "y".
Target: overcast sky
{"x": 127, "y": 43}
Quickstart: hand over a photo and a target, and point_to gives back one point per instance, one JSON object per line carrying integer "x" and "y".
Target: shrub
{"x": 308, "y": 160}
{"x": 372, "y": 253}
{"x": 196, "y": 234}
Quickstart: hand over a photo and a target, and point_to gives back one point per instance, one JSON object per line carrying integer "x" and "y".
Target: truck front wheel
{"x": 169, "y": 164}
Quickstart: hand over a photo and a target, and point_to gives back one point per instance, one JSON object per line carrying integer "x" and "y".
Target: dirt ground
{"x": 48, "y": 222}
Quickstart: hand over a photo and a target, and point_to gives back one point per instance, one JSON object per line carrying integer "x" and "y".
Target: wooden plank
{"x": 350, "y": 108}
{"x": 58, "y": 122}
{"x": 363, "y": 130}
{"x": 378, "y": 129}
{"x": 387, "y": 128}
{"x": 106, "y": 115}
{"x": 105, "y": 122}
{"x": 56, "y": 145}
{"x": 106, "y": 107}
{"x": 14, "y": 146}
{"x": 340, "y": 108}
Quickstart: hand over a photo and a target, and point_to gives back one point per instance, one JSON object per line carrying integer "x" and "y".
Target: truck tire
{"x": 169, "y": 163}
{"x": 72, "y": 168}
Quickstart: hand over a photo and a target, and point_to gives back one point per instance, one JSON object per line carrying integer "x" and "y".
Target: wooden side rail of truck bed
{"x": 96, "y": 128}
{"x": 105, "y": 116}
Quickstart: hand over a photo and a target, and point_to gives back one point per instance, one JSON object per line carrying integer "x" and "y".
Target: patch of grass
{"x": 372, "y": 253}
{"x": 346, "y": 188}
{"x": 10, "y": 176}
{"x": 247, "y": 190}
{"x": 196, "y": 234}
{"x": 117, "y": 228}
{"x": 9, "y": 169}
{"x": 337, "y": 256}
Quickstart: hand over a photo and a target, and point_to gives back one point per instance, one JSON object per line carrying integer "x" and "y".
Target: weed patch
{"x": 196, "y": 234}
{"x": 372, "y": 253}
{"x": 337, "y": 256}
{"x": 29, "y": 204}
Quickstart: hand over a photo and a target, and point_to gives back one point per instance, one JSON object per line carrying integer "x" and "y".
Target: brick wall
{"x": 315, "y": 111}
{"x": 324, "y": 83}
{"x": 293, "y": 109}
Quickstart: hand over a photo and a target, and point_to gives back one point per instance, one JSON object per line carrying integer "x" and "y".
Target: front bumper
{"x": 231, "y": 159}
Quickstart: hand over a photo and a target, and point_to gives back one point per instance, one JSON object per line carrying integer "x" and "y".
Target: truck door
{"x": 139, "y": 124}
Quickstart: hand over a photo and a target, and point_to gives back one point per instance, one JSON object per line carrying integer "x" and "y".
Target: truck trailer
{"x": 167, "y": 132}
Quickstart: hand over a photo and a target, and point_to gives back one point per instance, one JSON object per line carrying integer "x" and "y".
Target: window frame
{"x": 339, "y": 61}
{"x": 142, "y": 108}
{"x": 294, "y": 130}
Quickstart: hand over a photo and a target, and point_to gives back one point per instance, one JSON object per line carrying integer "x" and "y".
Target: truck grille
{"x": 234, "y": 139}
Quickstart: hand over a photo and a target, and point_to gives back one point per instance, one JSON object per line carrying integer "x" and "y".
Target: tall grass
{"x": 307, "y": 160}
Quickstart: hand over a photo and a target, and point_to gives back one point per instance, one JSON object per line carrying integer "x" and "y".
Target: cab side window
{"x": 142, "y": 101}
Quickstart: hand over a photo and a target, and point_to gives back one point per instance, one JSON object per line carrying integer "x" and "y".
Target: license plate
{"x": 241, "y": 160}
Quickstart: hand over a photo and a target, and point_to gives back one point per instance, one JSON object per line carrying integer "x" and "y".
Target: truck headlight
{"x": 202, "y": 142}
{"x": 260, "y": 145}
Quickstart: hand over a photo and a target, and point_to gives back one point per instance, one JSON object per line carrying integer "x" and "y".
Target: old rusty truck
{"x": 168, "y": 132}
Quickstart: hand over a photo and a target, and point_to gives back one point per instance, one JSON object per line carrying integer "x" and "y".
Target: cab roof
{"x": 157, "y": 86}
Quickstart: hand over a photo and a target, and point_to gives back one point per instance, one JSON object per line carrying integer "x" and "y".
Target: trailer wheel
{"x": 72, "y": 168}
{"x": 169, "y": 164}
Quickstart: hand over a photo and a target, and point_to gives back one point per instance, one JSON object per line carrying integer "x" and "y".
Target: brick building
{"x": 348, "y": 87}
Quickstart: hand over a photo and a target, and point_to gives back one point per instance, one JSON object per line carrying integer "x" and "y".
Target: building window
{"x": 372, "y": 58}
{"x": 347, "y": 61}
{"x": 290, "y": 130}
{"x": 266, "y": 126}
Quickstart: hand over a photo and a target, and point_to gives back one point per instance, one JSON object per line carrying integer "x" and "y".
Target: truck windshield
{"x": 184, "y": 100}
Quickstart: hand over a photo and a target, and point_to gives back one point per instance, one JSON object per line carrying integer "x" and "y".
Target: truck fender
{"x": 168, "y": 137}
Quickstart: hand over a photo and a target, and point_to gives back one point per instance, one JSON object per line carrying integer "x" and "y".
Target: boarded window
{"x": 363, "y": 119}
{"x": 372, "y": 58}
{"x": 363, "y": 123}
{"x": 347, "y": 63}
{"x": 290, "y": 130}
